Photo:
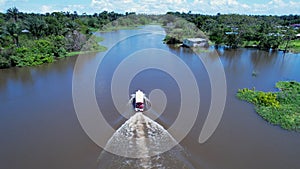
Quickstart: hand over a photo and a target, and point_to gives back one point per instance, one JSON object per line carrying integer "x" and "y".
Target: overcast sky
{"x": 268, "y": 7}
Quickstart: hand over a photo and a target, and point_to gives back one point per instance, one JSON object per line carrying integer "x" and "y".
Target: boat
{"x": 139, "y": 101}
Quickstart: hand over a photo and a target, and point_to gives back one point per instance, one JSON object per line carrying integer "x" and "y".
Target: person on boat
{"x": 140, "y": 105}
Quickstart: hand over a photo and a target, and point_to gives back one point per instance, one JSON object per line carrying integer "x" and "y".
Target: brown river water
{"x": 39, "y": 127}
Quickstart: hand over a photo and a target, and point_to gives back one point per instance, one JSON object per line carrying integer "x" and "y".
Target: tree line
{"x": 233, "y": 30}
{"x": 28, "y": 39}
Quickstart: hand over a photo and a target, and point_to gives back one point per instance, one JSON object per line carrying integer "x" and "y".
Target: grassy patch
{"x": 75, "y": 53}
{"x": 250, "y": 44}
{"x": 279, "y": 108}
{"x": 91, "y": 46}
{"x": 294, "y": 46}
{"x": 98, "y": 39}
{"x": 93, "y": 29}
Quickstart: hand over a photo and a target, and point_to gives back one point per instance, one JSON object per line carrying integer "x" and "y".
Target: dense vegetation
{"x": 178, "y": 29}
{"x": 235, "y": 30}
{"x": 279, "y": 108}
{"x": 129, "y": 21}
{"x": 33, "y": 39}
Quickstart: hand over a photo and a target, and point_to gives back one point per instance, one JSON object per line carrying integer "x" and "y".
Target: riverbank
{"x": 280, "y": 108}
{"x": 294, "y": 46}
{"x": 71, "y": 54}
{"x": 47, "y": 50}
{"x": 128, "y": 22}
{"x": 94, "y": 40}
{"x": 111, "y": 29}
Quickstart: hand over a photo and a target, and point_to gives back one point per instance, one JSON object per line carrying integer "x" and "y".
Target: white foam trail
{"x": 139, "y": 137}
{"x": 138, "y": 143}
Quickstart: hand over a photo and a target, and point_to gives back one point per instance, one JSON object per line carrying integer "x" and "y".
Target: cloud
{"x": 2, "y": 2}
{"x": 145, "y": 6}
{"x": 65, "y": 8}
{"x": 46, "y": 8}
{"x": 273, "y": 7}
{"x": 277, "y": 7}
{"x": 75, "y": 7}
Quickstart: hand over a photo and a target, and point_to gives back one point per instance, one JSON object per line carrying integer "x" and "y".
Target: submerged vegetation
{"x": 279, "y": 108}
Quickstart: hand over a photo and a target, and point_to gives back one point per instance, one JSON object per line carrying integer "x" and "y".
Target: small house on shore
{"x": 296, "y": 26}
{"x": 195, "y": 42}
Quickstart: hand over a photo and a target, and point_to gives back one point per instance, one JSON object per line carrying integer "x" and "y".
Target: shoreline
{"x": 97, "y": 39}
{"x": 291, "y": 51}
{"x": 93, "y": 43}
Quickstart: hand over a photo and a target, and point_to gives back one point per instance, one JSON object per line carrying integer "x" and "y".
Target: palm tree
{"x": 72, "y": 26}
{"x": 13, "y": 13}
{"x": 13, "y": 30}
{"x": 74, "y": 38}
{"x": 36, "y": 26}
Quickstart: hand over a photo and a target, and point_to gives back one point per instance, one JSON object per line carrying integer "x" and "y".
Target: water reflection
{"x": 261, "y": 59}
{"x": 13, "y": 75}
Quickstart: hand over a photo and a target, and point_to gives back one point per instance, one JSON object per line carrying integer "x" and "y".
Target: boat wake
{"x": 140, "y": 143}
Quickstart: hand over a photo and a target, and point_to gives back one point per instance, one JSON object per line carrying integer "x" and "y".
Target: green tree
{"x": 13, "y": 13}
{"x": 217, "y": 34}
{"x": 13, "y": 30}
{"x": 289, "y": 35}
{"x": 72, "y": 26}
{"x": 54, "y": 26}
{"x": 36, "y": 26}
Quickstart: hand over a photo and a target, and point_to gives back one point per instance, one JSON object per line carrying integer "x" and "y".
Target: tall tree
{"x": 13, "y": 30}
{"x": 13, "y": 13}
{"x": 36, "y": 26}
{"x": 289, "y": 34}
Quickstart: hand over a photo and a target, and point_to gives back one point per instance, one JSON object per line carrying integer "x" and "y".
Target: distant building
{"x": 296, "y": 25}
{"x": 275, "y": 34}
{"x": 25, "y": 31}
{"x": 298, "y": 36}
{"x": 194, "y": 42}
{"x": 231, "y": 33}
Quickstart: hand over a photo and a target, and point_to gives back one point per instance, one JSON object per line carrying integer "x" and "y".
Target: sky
{"x": 255, "y": 7}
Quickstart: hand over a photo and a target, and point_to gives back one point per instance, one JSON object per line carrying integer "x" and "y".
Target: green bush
{"x": 267, "y": 99}
{"x": 258, "y": 97}
{"x": 4, "y": 63}
{"x": 44, "y": 46}
{"x": 31, "y": 57}
{"x": 58, "y": 46}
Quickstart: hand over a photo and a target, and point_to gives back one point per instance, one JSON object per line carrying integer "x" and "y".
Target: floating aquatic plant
{"x": 279, "y": 108}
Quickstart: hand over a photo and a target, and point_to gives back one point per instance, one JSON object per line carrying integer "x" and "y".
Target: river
{"x": 40, "y": 129}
